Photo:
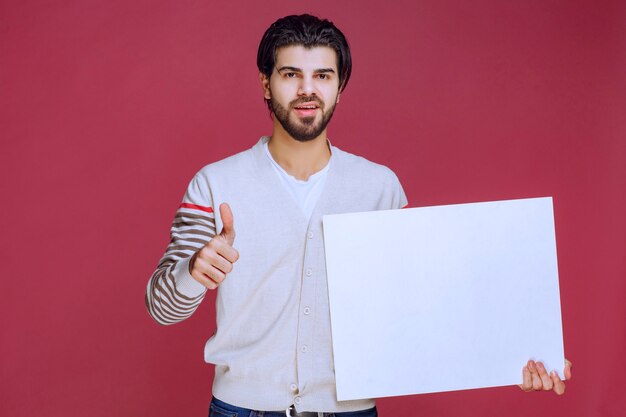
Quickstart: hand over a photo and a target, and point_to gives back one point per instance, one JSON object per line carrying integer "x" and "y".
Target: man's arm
{"x": 172, "y": 293}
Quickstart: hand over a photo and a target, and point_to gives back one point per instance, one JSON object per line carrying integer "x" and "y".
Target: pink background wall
{"x": 107, "y": 108}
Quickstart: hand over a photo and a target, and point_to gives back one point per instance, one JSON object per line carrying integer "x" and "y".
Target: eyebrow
{"x": 295, "y": 69}
{"x": 324, "y": 70}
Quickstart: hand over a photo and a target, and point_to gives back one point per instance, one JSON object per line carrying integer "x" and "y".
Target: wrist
{"x": 192, "y": 262}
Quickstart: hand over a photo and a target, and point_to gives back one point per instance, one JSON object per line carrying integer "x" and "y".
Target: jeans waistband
{"x": 220, "y": 408}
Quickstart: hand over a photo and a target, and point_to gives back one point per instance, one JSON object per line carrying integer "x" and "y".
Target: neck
{"x": 299, "y": 159}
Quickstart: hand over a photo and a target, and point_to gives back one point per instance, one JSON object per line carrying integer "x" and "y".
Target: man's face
{"x": 303, "y": 89}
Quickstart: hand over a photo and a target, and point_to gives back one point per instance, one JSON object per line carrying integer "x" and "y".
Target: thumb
{"x": 568, "y": 370}
{"x": 228, "y": 231}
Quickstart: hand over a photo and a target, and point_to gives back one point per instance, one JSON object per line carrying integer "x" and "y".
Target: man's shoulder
{"x": 230, "y": 165}
{"x": 362, "y": 166}
{"x": 369, "y": 182}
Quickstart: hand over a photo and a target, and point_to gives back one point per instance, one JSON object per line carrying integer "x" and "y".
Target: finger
{"x": 211, "y": 254}
{"x": 216, "y": 249}
{"x": 226, "y": 251}
{"x": 568, "y": 370}
{"x": 228, "y": 229}
{"x": 546, "y": 381}
{"x": 536, "y": 380}
{"x": 214, "y": 274}
{"x": 559, "y": 386}
{"x": 203, "y": 279}
{"x": 204, "y": 269}
{"x": 222, "y": 264}
{"x": 527, "y": 384}
{"x": 208, "y": 283}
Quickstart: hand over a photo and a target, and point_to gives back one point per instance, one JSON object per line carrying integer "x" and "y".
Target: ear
{"x": 265, "y": 83}
{"x": 338, "y": 95}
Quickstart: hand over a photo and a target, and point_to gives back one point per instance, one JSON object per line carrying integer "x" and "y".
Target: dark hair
{"x": 308, "y": 31}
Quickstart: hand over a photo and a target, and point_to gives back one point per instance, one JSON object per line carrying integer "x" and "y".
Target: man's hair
{"x": 308, "y": 31}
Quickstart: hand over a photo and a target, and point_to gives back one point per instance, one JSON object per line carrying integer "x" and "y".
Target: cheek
{"x": 278, "y": 94}
{"x": 330, "y": 96}
{"x": 330, "y": 92}
{"x": 281, "y": 90}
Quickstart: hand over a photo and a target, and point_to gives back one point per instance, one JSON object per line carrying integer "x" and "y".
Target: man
{"x": 272, "y": 348}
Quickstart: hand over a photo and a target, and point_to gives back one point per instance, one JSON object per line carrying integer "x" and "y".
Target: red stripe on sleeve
{"x": 195, "y": 206}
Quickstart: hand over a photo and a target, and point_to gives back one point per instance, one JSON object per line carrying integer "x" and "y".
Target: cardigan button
{"x": 309, "y": 272}
{"x": 310, "y": 235}
{"x": 307, "y": 310}
{"x": 294, "y": 387}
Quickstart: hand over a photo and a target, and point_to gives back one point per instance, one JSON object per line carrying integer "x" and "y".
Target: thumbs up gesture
{"x": 210, "y": 264}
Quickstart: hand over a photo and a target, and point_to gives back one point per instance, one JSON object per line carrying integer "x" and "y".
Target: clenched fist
{"x": 210, "y": 264}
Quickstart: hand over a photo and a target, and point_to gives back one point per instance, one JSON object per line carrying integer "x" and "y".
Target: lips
{"x": 306, "y": 109}
{"x": 307, "y": 106}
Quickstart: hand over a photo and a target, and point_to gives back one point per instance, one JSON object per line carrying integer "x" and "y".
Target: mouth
{"x": 308, "y": 109}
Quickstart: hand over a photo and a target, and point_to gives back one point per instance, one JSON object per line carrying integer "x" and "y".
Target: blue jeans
{"x": 221, "y": 409}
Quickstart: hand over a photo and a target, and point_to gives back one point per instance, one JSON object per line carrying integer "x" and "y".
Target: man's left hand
{"x": 536, "y": 378}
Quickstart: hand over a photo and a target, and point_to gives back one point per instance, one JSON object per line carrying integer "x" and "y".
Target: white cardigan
{"x": 273, "y": 345}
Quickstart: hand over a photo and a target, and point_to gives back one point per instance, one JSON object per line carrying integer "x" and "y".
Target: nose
{"x": 307, "y": 87}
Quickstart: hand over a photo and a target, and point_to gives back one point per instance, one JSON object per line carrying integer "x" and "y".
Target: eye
{"x": 322, "y": 76}
{"x": 291, "y": 75}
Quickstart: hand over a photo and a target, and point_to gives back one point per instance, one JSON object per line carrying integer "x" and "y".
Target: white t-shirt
{"x": 305, "y": 193}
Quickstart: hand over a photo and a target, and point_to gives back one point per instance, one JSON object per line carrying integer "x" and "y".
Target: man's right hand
{"x": 210, "y": 264}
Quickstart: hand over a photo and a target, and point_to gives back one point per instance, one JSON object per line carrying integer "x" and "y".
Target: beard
{"x": 304, "y": 129}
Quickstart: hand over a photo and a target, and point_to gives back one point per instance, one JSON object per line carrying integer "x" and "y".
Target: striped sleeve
{"x": 172, "y": 294}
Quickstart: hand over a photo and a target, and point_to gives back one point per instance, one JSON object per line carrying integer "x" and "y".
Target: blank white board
{"x": 442, "y": 298}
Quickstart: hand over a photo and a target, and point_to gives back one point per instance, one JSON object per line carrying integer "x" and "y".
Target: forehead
{"x": 312, "y": 58}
